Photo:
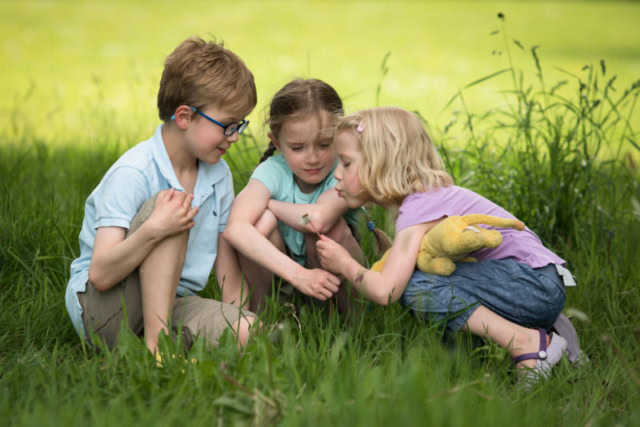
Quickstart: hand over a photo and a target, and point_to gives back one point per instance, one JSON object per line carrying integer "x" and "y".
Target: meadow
{"x": 550, "y": 133}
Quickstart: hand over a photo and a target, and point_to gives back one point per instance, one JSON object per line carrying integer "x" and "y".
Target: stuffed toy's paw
{"x": 453, "y": 239}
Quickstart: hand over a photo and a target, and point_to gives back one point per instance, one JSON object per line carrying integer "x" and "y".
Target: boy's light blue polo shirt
{"x": 137, "y": 175}
{"x": 275, "y": 174}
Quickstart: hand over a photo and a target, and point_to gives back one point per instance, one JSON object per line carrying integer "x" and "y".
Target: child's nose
{"x": 338, "y": 173}
{"x": 233, "y": 137}
{"x": 313, "y": 157}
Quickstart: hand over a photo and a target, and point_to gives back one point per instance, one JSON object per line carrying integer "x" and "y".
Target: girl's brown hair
{"x": 300, "y": 97}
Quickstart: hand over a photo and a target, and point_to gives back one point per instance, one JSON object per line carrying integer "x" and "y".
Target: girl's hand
{"x": 172, "y": 213}
{"x": 331, "y": 254}
{"x": 318, "y": 284}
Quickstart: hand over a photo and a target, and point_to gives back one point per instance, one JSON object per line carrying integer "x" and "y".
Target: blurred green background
{"x": 68, "y": 68}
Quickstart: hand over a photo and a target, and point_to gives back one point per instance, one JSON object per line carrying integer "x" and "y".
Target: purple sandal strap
{"x": 541, "y": 354}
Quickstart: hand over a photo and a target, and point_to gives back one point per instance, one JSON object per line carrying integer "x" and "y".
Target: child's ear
{"x": 274, "y": 141}
{"x": 183, "y": 117}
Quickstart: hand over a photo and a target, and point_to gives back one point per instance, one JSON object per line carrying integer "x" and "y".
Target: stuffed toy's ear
{"x": 379, "y": 265}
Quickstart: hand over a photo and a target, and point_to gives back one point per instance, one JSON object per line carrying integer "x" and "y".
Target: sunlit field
{"x": 536, "y": 111}
{"x": 66, "y": 64}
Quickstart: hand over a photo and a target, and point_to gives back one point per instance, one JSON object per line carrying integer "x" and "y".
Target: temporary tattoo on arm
{"x": 360, "y": 275}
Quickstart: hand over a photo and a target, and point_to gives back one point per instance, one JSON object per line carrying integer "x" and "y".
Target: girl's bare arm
{"x": 322, "y": 215}
{"x": 389, "y": 284}
{"x": 242, "y": 234}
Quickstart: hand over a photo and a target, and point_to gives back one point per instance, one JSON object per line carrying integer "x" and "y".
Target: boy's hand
{"x": 318, "y": 284}
{"x": 172, "y": 213}
{"x": 331, "y": 254}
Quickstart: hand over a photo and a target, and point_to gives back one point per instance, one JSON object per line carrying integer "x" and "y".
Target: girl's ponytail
{"x": 268, "y": 152}
{"x": 383, "y": 241}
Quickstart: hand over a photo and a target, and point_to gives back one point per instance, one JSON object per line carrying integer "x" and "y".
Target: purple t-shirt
{"x": 524, "y": 246}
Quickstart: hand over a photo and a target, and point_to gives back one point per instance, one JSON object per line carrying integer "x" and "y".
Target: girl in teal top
{"x": 276, "y": 219}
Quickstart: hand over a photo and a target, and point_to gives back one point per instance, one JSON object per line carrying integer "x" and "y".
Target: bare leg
{"x": 159, "y": 276}
{"x": 241, "y": 329}
{"x": 258, "y": 277}
{"x": 341, "y": 233}
{"x": 515, "y": 338}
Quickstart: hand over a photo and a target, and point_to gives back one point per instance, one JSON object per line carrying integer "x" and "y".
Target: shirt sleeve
{"x": 226, "y": 200}
{"x": 121, "y": 195}
{"x": 270, "y": 174}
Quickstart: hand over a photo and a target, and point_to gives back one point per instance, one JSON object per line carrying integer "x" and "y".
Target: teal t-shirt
{"x": 278, "y": 178}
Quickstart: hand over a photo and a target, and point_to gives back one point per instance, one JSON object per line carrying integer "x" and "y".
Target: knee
{"x": 340, "y": 231}
{"x": 267, "y": 223}
{"x": 242, "y": 329}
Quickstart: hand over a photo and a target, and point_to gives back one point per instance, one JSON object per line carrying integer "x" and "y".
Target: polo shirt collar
{"x": 208, "y": 175}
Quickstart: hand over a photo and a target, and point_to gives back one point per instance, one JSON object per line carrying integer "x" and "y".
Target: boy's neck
{"x": 185, "y": 165}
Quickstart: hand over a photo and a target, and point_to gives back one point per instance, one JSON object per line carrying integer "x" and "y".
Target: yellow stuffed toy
{"x": 453, "y": 239}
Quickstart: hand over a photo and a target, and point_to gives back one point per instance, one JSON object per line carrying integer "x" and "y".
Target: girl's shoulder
{"x": 437, "y": 194}
{"x": 435, "y": 204}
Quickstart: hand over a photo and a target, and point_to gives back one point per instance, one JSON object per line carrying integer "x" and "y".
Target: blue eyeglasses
{"x": 228, "y": 130}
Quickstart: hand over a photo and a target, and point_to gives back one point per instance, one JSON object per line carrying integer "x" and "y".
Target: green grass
{"x": 563, "y": 164}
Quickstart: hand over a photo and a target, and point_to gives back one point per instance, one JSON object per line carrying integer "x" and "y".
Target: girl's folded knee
{"x": 340, "y": 231}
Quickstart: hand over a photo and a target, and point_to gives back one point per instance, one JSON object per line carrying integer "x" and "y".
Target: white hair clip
{"x": 360, "y": 127}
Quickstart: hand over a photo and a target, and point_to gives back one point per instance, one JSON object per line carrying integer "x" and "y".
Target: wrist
{"x": 151, "y": 232}
{"x": 294, "y": 274}
{"x": 350, "y": 268}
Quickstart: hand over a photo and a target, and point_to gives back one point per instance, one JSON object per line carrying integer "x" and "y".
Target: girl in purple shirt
{"x": 513, "y": 294}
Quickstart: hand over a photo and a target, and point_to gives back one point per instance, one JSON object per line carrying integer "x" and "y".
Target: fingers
{"x": 186, "y": 203}
{"x": 192, "y": 213}
{"x": 335, "y": 280}
{"x": 165, "y": 196}
{"x": 329, "y": 284}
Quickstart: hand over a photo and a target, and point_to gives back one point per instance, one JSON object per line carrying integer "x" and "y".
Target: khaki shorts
{"x": 104, "y": 312}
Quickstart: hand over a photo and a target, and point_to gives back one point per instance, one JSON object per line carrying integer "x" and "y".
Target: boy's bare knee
{"x": 242, "y": 328}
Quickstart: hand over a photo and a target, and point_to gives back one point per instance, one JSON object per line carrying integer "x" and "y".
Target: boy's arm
{"x": 114, "y": 257}
{"x": 241, "y": 233}
{"x": 389, "y": 284}
{"x": 235, "y": 289}
{"x": 322, "y": 215}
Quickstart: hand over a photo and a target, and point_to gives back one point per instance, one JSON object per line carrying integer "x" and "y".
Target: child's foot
{"x": 545, "y": 359}
{"x": 565, "y": 329}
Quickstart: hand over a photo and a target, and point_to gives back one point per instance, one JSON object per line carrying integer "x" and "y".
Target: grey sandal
{"x": 565, "y": 329}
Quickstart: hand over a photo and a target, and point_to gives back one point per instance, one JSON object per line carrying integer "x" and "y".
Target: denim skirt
{"x": 532, "y": 297}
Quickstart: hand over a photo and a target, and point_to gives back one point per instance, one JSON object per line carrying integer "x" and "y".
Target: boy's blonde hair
{"x": 201, "y": 74}
{"x": 398, "y": 157}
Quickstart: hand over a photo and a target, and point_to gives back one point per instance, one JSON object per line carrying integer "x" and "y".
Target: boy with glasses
{"x": 153, "y": 227}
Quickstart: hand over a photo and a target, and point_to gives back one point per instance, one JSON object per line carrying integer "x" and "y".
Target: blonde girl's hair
{"x": 398, "y": 157}
{"x": 298, "y": 98}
